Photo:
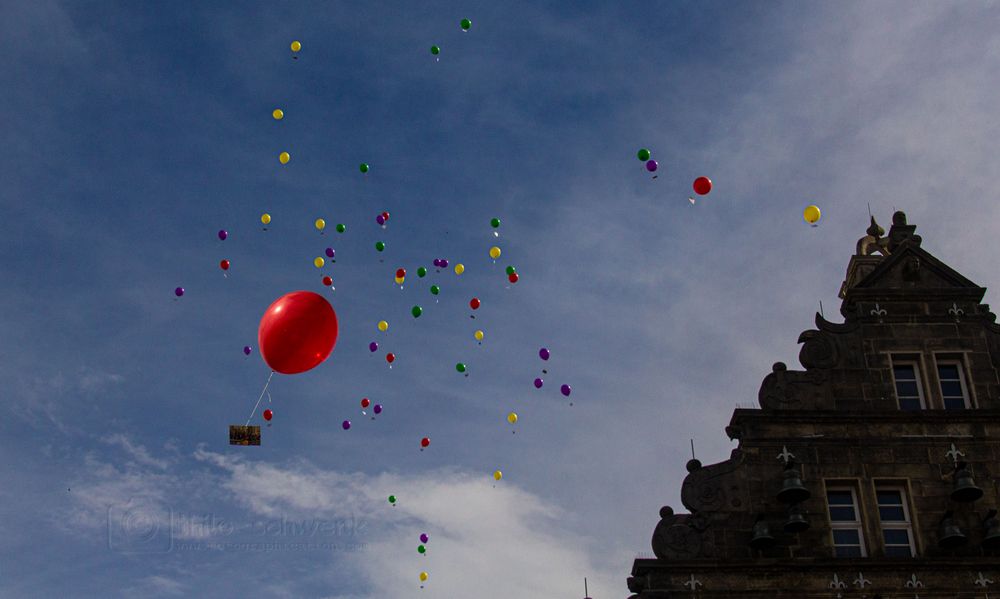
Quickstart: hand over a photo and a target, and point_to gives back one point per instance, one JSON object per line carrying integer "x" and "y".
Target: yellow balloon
{"x": 494, "y": 252}
{"x": 423, "y": 577}
{"x": 459, "y": 269}
{"x": 319, "y": 262}
{"x": 512, "y": 418}
{"x": 265, "y": 218}
{"x": 383, "y": 325}
{"x": 296, "y": 46}
{"x": 497, "y": 475}
{"x": 479, "y": 335}
{"x": 284, "y": 157}
{"x": 320, "y": 224}
{"x": 811, "y": 214}
{"x": 278, "y": 114}
{"x": 399, "y": 280}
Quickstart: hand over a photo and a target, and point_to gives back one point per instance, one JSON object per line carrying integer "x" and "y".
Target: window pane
{"x": 911, "y": 404}
{"x": 889, "y": 497}
{"x": 948, "y": 371}
{"x": 846, "y": 537}
{"x": 842, "y": 514}
{"x": 839, "y": 498}
{"x": 848, "y": 552}
{"x": 904, "y": 371}
{"x": 906, "y": 389}
{"x": 891, "y": 514}
{"x": 951, "y": 389}
{"x": 898, "y": 552}
{"x": 954, "y": 403}
{"x": 895, "y": 536}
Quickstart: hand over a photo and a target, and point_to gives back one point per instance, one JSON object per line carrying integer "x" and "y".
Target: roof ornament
{"x": 873, "y": 241}
{"x": 955, "y": 311}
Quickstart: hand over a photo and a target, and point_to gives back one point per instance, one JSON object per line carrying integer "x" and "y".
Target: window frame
{"x": 957, "y": 360}
{"x": 857, "y": 524}
{"x": 907, "y": 524}
{"x": 916, "y": 363}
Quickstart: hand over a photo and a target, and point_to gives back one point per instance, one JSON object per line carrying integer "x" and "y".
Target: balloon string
{"x": 260, "y": 398}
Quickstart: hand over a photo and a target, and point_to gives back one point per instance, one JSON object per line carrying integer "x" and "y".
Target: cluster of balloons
{"x": 644, "y": 155}
{"x": 423, "y": 541}
{"x": 382, "y": 218}
{"x": 545, "y": 354}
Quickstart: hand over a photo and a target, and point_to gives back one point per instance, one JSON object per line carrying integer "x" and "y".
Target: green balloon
{"x": 510, "y": 270}
{"x": 466, "y": 24}
{"x": 643, "y": 154}
{"x": 421, "y": 549}
{"x": 416, "y": 311}
{"x": 364, "y": 167}
{"x": 435, "y": 50}
{"x": 421, "y": 272}
{"x": 379, "y": 245}
{"x": 435, "y": 290}
{"x": 495, "y": 222}
{"x": 460, "y": 367}
{"x": 341, "y": 228}
{"x": 392, "y": 499}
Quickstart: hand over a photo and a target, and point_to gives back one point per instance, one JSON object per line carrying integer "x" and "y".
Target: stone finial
{"x": 873, "y": 241}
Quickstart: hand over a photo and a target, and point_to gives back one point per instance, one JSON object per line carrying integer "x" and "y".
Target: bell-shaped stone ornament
{"x": 796, "y": 521}
{"x": 792, "y": 489}
{"x": 991, "y": 531}
{"x": 965, "y": 489}
{"x": 761, "y": 538}
{"x": 950, "y": 535}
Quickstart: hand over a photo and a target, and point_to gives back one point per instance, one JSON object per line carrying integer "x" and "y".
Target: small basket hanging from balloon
{"x": 244, "y": 435}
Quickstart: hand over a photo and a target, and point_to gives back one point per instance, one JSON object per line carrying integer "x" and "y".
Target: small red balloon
{"x": 224, "y": 265}
{"x": 327, "y": 281}
{"x": 268, "y": 415}
{"x": 474, "y": 303}
{"x": 390, "y": 357}
{"x": 297, "y": 332}
{"x": 365, "y": 403}
{"x": 702, "y": 185}
{"x": 400, "y": 273}
{"x": 385, "y": 215}
{"x": 512, "y": 277}
{"x": 425, "y": 442}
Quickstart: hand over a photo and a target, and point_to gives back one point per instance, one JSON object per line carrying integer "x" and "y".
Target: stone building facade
{"x": 874, "y": 472}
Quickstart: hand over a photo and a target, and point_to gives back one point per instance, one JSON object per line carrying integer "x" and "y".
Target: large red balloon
{"x": 702, "y": 185}
{"x": 297, "y": 332}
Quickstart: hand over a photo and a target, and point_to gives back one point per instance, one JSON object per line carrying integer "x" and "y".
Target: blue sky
{"x": 135, "y": 131}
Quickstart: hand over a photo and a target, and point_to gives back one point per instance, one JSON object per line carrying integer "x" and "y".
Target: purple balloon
{"x": 566, "y": 390}
{"x": 444, "y": 263}
{"x": 247, "y": 349}
{"x": 378, "y": 408}
{"x": 651, "y": 166}
{"x": 424, "y": 538}
{"x": 544, "y": 354}
{"x": 223, "y": 234}
{"x": 373, "y": 347}
{"x": 538, "y": 383}
{"x": 179, "y": 291}
{"x": 330, "y": 253}
{"x": 380, "y": 219}
{"x": 346, "y": 424}
{"x": 437, "y": 263}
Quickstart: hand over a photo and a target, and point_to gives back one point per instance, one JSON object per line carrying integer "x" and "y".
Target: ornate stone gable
{"x": 900, "y": 401}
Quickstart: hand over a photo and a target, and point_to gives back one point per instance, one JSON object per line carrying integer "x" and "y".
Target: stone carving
{"x": 873, "y": 241}
{"x": 911, "y": 269}
{"x": 819, "y": 350}
{"x": 704, "y": 490}
{"x": 673, "y": 538}
{"x": 774, "y": 389}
